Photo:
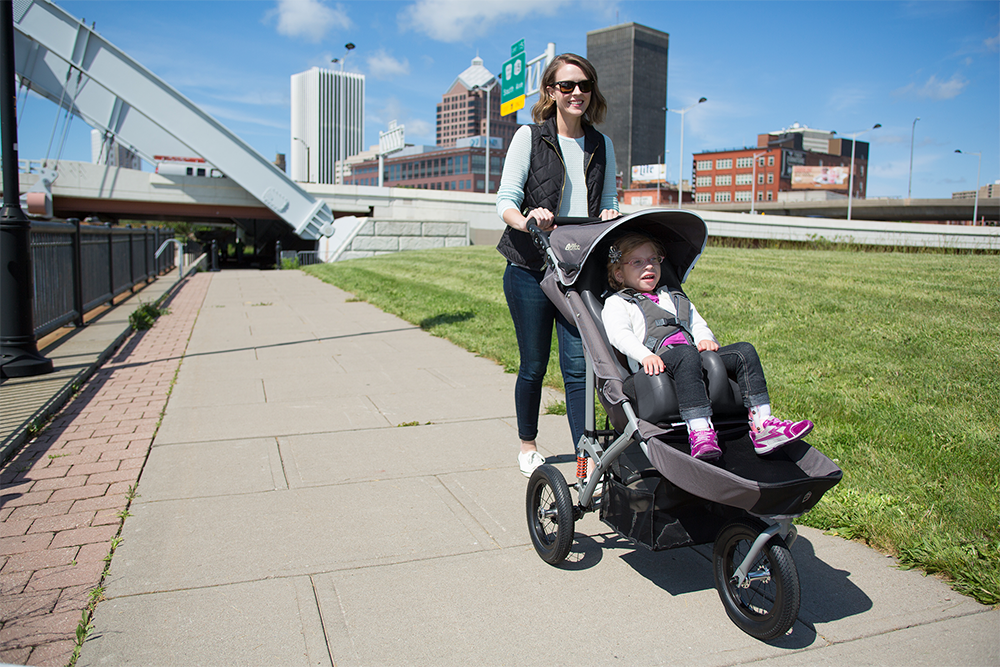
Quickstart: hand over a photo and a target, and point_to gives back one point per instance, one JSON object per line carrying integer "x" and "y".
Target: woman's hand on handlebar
{"x": 543, "y": 217}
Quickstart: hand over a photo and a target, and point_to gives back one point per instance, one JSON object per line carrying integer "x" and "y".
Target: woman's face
{"x": 574, "y": 103}
{"x": 646, "y": 274}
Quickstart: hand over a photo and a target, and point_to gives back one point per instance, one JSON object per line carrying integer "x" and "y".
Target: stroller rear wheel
{"x": 550, "y": 514}
{"x": 767, "y": 604}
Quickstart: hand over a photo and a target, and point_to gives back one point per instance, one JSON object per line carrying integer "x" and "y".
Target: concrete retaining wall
{"x": 378, "y": 237}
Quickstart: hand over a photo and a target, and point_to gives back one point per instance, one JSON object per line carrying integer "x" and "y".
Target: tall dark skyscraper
{"x": 631, "y": 61}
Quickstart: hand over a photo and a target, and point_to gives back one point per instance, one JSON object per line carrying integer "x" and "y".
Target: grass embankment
{"x": 893, "y": 355}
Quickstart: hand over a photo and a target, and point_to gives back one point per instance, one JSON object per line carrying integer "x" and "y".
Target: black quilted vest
{"x": 544, "y": 187}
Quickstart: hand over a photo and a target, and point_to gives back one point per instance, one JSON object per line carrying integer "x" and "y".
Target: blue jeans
{"x": 533, "y": 315}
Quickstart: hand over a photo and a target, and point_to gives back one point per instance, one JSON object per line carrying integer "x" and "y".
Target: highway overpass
{"x": 892, "y": 210}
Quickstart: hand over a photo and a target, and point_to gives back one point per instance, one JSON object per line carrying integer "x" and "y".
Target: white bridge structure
{"x": 63, "y": 60}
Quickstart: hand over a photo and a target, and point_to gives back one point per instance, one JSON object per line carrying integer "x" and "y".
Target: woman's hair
{"x": 621, "y": 248}
{"x": 545, "y": 107}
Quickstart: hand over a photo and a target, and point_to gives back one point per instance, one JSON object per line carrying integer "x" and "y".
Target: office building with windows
{"x": 459, "y": 168}
{"x": 631, "y": 62}
{"x": 793, "y": 163}
{"x": 105, "y": 149}
{"x": 328, "y": 123}
{"x": 462, "y": 111}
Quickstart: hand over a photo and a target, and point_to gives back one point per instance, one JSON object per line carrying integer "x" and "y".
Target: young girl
{"x": 634, "y": 269}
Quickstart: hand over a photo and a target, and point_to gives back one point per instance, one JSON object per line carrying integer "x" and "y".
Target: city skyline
{"x": 841, "y": 66}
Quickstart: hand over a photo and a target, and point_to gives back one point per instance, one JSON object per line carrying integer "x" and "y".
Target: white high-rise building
{"x": 328, "y": 123}
{"x": 105, "y": 149}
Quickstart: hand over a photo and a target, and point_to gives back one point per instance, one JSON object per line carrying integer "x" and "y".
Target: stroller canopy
{"x": 683, "y": 235}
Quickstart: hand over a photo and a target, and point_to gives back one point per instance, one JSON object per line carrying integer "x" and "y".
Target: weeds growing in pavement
{"x": 145, "y": 315}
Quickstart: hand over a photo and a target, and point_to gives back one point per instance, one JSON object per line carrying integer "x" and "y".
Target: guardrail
{"x": 77, "y": 267}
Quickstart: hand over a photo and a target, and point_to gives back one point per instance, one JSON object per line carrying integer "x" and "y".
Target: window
{"x": 760, "y": 179}
{"x": 770, "y": 178}
{"x": 703, "y": 181}
{"x": 744, "y": 179}
{"x": 770, "y": 196}
{"x": 742, "y": 195}
{"x": 721, "y": 197}
{"x": 704, "y": 165}
{"x": 703, "y": 197}
{"x": 760, "y": 161}
{"x": 744, "y": 162}
{"x": 723, "y": 180}
{"x": 770, "y": 160}
{"x": 724, "y": 164}
{"x": 760, "y": 196}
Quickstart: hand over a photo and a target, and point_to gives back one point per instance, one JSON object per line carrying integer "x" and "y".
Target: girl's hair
{"x": 545, "y": 107}
{"x": 621, "y": 248}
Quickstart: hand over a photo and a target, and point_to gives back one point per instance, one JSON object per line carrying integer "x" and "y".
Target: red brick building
{"x": 819, "y": 161}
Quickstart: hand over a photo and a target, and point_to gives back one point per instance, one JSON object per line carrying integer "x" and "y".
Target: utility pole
{"x": 19, "y": 356}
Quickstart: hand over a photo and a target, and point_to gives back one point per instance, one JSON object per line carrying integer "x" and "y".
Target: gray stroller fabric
{"x": 787, "y": 483}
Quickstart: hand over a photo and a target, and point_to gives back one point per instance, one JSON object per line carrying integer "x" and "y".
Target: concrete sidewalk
{"x": 332, "y": 485}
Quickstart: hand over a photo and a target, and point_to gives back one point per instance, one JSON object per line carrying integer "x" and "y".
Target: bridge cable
{"x": 69, "y": 117}
{"x": 45, "y": 162}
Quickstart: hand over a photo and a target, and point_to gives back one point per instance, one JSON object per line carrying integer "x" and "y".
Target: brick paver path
{"x": 64, "y": 493}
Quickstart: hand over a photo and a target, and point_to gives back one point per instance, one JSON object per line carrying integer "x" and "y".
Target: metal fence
{"x": 80, "y": 267}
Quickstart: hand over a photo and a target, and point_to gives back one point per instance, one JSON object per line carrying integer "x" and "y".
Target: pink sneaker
{"x": 775, "y": 434}
{"x": 704, "y": 445}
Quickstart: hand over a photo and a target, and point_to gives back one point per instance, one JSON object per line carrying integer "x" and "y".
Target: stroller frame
{"x": 754, "y": 571}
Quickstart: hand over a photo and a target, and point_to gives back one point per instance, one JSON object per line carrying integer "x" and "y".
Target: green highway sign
{"x": 512, "y": 80}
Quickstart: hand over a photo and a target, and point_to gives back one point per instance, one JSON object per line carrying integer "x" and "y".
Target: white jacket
{"x": 626, "y": 326}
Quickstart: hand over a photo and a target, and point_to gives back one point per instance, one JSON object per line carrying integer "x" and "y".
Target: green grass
{"x": 893, "y": 355}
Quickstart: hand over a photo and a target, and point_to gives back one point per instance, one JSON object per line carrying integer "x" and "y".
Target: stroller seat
{"x": 654, "y": 398}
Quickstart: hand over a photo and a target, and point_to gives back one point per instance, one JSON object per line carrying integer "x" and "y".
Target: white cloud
{"x": 309, "y": 19}
{"x": 382, "y": 65}
{"x": 418, "y": 130}
{"x": 992, "y": 43}
{"x": 461, "y": 20}
{"x": 934, "y": 89}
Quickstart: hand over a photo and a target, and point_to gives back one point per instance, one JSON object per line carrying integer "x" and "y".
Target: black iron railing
{"x": 79, "y": 267}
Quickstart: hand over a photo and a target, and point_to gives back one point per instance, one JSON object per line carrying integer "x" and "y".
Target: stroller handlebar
{"x": 541, "y": 239}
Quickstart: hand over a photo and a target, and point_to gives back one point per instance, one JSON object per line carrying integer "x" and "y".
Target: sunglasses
{"x": 567, "y": 87}
{"x": 642, "y": 263}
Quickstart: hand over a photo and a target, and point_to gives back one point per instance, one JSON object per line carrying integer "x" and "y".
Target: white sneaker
{"x": 529, "y": 461}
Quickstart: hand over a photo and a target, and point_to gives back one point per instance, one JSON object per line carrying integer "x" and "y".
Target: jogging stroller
{"x": 655, "y": 493}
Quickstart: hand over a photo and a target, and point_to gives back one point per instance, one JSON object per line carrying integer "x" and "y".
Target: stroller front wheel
{"x": 550, "y": 514}
{"x": 767, "y": 604}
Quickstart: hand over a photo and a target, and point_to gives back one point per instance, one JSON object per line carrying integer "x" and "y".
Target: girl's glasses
{"x": 567, "y": 87}
{"x": 641, "y": 263}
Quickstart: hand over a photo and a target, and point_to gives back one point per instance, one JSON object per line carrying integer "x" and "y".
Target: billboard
{"x": 820, "y": 178}
{"x": 649, "y": 173}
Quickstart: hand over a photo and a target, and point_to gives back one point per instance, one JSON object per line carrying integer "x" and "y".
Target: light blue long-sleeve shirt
{"x": 574, "y": 201}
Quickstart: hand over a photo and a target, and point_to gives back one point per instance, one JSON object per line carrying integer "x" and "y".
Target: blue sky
{"x": 763, "y": 66}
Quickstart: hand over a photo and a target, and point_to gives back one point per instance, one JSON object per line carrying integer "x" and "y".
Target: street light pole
{"x": 850, "y": 186}
{"x": 909, "y": 190}
{"x": 19, "y": 355}
{"x": 975, "y": 207}
{"x": 307, "y": 157}
{"x": 493, "y": 83}
{"x": 753, "y": 182}
{"x": 680, "y": 173}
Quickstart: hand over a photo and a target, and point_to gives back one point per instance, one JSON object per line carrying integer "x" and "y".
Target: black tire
{"x": 550, "y": 514}
{"x": 768, "y": 606}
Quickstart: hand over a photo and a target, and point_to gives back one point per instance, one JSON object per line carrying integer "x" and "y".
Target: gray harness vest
{"x": 658, "y": 327}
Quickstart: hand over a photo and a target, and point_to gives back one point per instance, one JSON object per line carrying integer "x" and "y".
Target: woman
{"x": 561, "y": 166}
